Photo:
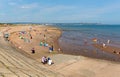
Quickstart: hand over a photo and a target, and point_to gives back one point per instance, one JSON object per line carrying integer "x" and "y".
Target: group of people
{"x": 104, "y": 45}
{"x": 46, "y": 60}
{"x": 43, "y": 44}
{"x": 95, "y": 40}
{"x": 116, "y": 52}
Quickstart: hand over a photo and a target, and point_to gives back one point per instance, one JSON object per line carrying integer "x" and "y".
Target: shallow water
{"x": 77, "y": 39}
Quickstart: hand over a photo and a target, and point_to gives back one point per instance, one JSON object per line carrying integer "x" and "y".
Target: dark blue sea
{"x": 75, "y": 35}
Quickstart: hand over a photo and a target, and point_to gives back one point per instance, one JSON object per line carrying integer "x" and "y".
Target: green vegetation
{"x": 6, "y": 24}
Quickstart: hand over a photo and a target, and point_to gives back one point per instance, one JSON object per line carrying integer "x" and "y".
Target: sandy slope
{"x": 15, "y": 64}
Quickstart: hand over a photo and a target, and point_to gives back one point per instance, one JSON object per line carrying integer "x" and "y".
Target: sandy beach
{"x": 32, "y": 37}
{"x": 64, "y": 65}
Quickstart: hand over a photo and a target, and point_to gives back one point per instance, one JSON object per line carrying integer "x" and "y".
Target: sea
{"x": 77, "y": 39}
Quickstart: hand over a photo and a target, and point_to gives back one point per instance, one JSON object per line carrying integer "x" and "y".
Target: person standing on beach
{"x": 33, "y": 50}
{"x": 52, "y": 48}
{"x": 104, "y": 45}
{"x": 108, "y": 41}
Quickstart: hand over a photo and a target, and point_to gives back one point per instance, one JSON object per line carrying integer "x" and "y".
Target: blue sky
{"x": 53, "y": 11}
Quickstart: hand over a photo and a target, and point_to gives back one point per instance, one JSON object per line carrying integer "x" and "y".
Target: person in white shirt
{"x": 50, "y": 62}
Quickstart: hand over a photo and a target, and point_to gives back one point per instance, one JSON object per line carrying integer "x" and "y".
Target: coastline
{"x": 63, "y": 63}
{"x": 54, "y": 40}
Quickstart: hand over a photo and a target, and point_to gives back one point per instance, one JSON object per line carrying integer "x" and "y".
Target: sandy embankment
{"x": 39, "y": 34}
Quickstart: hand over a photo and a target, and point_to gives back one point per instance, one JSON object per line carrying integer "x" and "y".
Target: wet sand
{"x": 109, "y": 49}
{"x": 91, "y": 50}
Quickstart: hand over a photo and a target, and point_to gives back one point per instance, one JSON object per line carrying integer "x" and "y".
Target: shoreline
{"x": 56, "y": 46}
{"x": 64, "y": 65}
{"x": 94, "y": 52}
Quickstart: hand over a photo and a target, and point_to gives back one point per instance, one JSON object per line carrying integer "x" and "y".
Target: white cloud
{"x": 27, "y": 6}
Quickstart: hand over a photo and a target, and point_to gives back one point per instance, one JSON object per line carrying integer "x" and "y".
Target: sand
{"x": 50, "y": 35}
{"x": 65, "y": 65}
{"x": 39, "y": 34}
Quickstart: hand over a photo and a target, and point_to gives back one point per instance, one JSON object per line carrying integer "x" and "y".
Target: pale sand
{"x": 68, "y": 65}
{"x": 79, "y": 66}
